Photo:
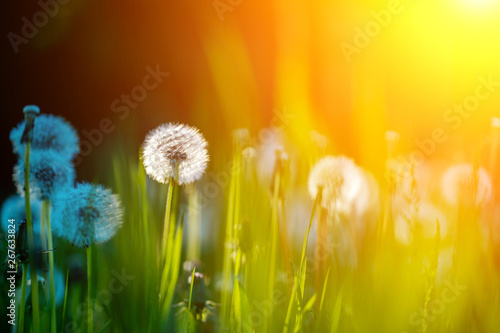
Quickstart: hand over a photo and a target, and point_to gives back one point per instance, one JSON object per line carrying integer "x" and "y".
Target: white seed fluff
{"x": 87, "y": 214}
{"x": 341, "y": 180}
{"x": 49, "y": 133}
{"x": 50, "y": 172}
{"x": 175, "y": 151}
{"x": 13, "y": 208}
{"x": 457, "y": 186}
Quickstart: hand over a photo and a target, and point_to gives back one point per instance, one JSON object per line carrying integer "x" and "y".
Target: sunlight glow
{"x": 479, "y": 3}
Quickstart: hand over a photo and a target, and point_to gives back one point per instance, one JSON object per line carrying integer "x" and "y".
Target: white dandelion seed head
{"x": 341, "y": 180}
{"x": 391, "y": 136}
{"x": 241, "y": 137}
{"x": 49, "y": 133}
{"x": 175, "y": 151}
{"x": 457, "y": 186}
{"x": 249, "y": 153}
{"x": 50, "y": 172}
{"x": 392, "y": 140}
{"x": 269, "y": 141}
{"x": 14, "y": 208}
{"x": 87, "y": 214}
{"x": 427, "y": 218}
{"x": 495, "y": 122}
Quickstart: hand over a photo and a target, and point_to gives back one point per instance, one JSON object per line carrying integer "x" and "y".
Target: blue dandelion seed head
{"x": 87, "y": 214}
{"x": 50, "y": 172}
{"x": 14, "y": 208}
{"x": 59, "y": 283}
{"x": 50, "y": 133}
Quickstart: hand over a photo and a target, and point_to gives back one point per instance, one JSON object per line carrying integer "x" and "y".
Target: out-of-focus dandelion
{"x": 266, "y": 154}
{"x": 50, "y": 172}
{"x": 175, "y": 152}
{"x": 59, "y": 282}
{"x": 350, "y": 196}
{"x": 54, "y": 143}
{"x": 87, "y": 214}
{"x": 14, "y": 208}
{"x": 49, "y": 133}
{"x": 392, "y": 141}
{"x": 459, "y": 186}
{"x": 30, "y": 114}
{"x": 241, "y": 137}
{"x": 201, "y": 307}
{"x": 495, "y": 150}
{"x": 425, "y": 224}
{"x": 343, "y": 183}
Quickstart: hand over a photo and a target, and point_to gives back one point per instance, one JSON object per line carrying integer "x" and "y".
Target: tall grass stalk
{"x": 50, "y": 251}
{"x": 194, "y": 225}
{"x": 230, "y": 237}
{"x": 90, "y": 322}
{"x": 22, "y": 308}
{"x": 31, "y": 241}
{"x": 274, "y": 247}
{"x": 300, "y": 276}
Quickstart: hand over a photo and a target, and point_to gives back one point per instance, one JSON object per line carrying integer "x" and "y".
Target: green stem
{"x": 31, "y": 241}
{"x": 229, "y": 240}
{"x": 22, "y": 308}
{"x": 194, "y": 230}
{"x": 43, "y": 239}
{"x": 90, "y": 326}
{"x": 274, "y": 247}
{"x": 52, "y": 288}
{"x": 166, "y": 223}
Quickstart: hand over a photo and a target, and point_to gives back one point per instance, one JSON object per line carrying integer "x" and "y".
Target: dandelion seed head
{"x": 392, "y": 140}
{"x": 270, "y": 141}
{"x": 341, "y": 180}
{"x": 87, "y": 214}
{"x": 175, "y": 151}
{"x": 50, "y": 172}
{"x": 14, "y": 208}
{"x": 49, "y": 133}
{"x": 426, "y": 223}
{"x": 495, "y": 122}
{"x": 459, "y": 186}
{"x": 241, "y": 137}
{"x": 59, "y": 283}
{"x": 249, "y": 153}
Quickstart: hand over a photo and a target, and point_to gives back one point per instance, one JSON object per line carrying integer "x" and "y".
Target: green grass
{"x": 255, "y": 287}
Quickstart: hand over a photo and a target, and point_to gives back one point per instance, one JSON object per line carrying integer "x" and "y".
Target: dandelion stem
{"x": 23, "y": 298}
{"x": 193, "y": 251}
{"x": 43, "y": 239}
{"x": 166, "y": 224}
{"x": 31, "y": 241}
{"x": 229, "y": 240}
{"x": 90, "y": 326}
{"x": 52, "y": 289}
{"x": 274, "y": 245}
